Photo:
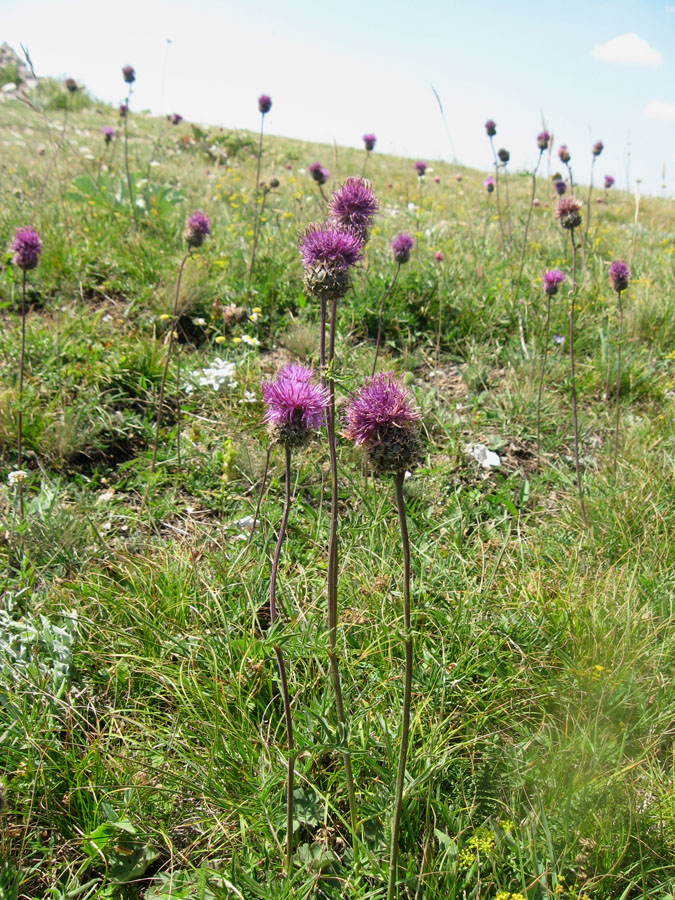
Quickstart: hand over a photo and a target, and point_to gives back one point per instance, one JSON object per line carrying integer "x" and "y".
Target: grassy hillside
{"x": 142, "y": 735}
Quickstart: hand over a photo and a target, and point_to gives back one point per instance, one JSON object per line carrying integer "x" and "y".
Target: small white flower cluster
{"x": 17, "y": 477}
{"x": 216, "y": 375}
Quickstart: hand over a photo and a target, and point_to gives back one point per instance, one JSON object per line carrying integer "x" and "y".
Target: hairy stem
{"x": 618, "y": 382}
{"x": 22, "y": 365}
{"x": 379, "y": 319}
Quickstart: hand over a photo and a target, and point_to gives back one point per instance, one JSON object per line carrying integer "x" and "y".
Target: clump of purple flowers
{"x": 27, "y": 248}
{"x": 129, "y": 74}
{"x": 319, "y": 173}
{"x": 609, "y": 181}
{"x": 369, "y": 141}
{"x": 598, "y": 147}
{"x": 568, "y": 211}
{"x": 382, "y": 418}
{"x": 197, "y": 228}
{"x": 354, "y": 206}
{"x": 552, "y": 281}
{"x": 489, "y": 184}
{"x": 619, "y": 274}
{"x": 328, "y": 252}
{"x": 108, "y": 133}
{"x": 421, "y": 167}
{"x": 401, "y": 247}
{"x": 543, "y": 140}
{"x": 295, "y": 406}
{"x": 264, "y": 104}
{"x": 491, "y": 128}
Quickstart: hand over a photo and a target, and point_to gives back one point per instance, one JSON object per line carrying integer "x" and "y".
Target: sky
{"x": 590, "y": 71}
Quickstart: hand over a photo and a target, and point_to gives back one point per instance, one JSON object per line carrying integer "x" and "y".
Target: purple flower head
{"x": 438, "y": 256}
{"x": 598, "y": 147}
{"x": 489, "y": 184}
{"x": 560, "y": 186}
{"x": 421, "y": 167}
{"x": 382, "y": 418}
{"x": 619, "y": 273}
{"x": 264, "y": 104}
{"x": 176, "y": 119}
{"x": 564, "y": 154}
{"x": 369, "y": 141}
{"x": 401, "y": 247}
{"x": 129, "y": 74}
{"x": 124, "y": 109}
{"x": 328, "y": 252}
{"x": 543, "y": 139}
{"x": 437, "y": 179}
{"x": 108, "y": 133}
{"x": 552, "y": 280}
{"x": 318, "y": 173}
{"x": 197, "y": 228}
{"x": 503, "y": 155}
{"x": 568, "y": 211}
{"x": 491, "y": 128}
{"x": 354, "y": 205}
{"x": 27, "y": 248}
{"x": 609, "y": 181}
{"x": 295, "y": 405}
{"x": 70, "y": 85}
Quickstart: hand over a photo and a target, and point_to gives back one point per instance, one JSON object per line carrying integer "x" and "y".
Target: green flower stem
{"x": 22, "y": 366}
{"x": 618, "y": 382}
{"x": 544, "y": 353}
{"x": 574, "y": 390}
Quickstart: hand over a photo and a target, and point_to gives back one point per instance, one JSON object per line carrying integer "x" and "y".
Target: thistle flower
{"x": 382, "y": 418}
{"x": 543, "y": 140}
{"x": 401, "y": 247}
{"x": 70, "y": 85}
{"x": 552, "y": 280}
{"x": 27, "y": 248}
{"x": 176, "y": 119}
{"x": 129, "y": 74}
{"x": 597, "y": 148}
{"x": 264, "y": 104}
{"x": 354, "y": 205}
{"x": 319, "y": 173}
{"x": 489, "y": 184}
{"x": 491, "y": 128}
{"x": 568, "y": 211}
{"x": 458, "y": 177}
{"x": 503, "y": 155}
{"x": 421, "y": 167}
{"x": 438, "y": 256}
{"x": 327, "y": 253}
{"x": 198, "y": 226}
{"x": 560, "y": 186}
{"x": 564, "y": 154}
{"x": 369, "y": 141}
{"x": 108, "y": 133}
{"x": 295, "y": 406}
{"x": 124, "y": 109}
{"x": 609, "y": 181}
{"x": 619, "y": 273}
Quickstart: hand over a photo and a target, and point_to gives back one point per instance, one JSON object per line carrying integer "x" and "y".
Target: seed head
{"x": 319, "y": 173}
{"x": 597, "y": 148}
{"x": 401, "y": 247}
{"x": 198, "y": 226}
{"x": 619, "y": 273}
{"x": 552, "y": 280}
{"x": 543, "y": 139}
{"x": 369, "y": 141}
{"x": 489, "y": 184}
{"x": 264, "y": 104}
{"x": 568, "y": 211}
{"x": 382, "y": 418}
{"x": 421, "y": 167}
{"x": 503, "y": 155}
{"x": 295, "y": 406}
{"x": 609, "y": 182}
{"x": 27, "y": 248}
{"x": 564, "y": 154}
{"x": 354, "y": 206}
{"x": 129, "y": 74}
{"x": 328, "y": 252}
{"x": 491, "y": 128}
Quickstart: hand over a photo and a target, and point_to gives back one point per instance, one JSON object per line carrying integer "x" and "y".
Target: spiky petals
{"x": 319, "y": 173}
{"x": 197, "y": 228}
{"x": 609, "y": 181}
{"x": 619, "y": 274}
{"x": 552, "y": 280}
{"x": 354, "y": 206}
{"x": 401, "y": 247}
{"x": 295, "y": 405}
{"x": 338, "y": 248}
{"x": 383, "y": 419}
{"x": 27, "y": 248}
{"x": 568, "y": 211}
{"x": 369, "y": 141}
{"x": 421, "y": 167}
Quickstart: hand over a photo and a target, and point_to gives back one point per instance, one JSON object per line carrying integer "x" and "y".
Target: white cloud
{"x": 627, "y": 48}
{"x": 669, "y": 9}
{"x": 658, "y": 110}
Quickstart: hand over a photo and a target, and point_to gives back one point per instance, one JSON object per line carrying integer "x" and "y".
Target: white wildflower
{"x": 17, "y": 477}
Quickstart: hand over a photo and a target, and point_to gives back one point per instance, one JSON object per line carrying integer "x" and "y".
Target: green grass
{"x": 142, "y": 739}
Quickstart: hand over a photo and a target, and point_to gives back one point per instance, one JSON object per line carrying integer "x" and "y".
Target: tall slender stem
{"x": 282, "y": 668}
{"x": 574, "y": 390}
{"x": 160, "y": 401}
{"x": 544, "y": 353}
{"x": 407, "y": 690}
{"x": 260, "y": 145}
{"x": 379, "y": 318}
{"x": 365, "y": 163}
{"x": 256, "y": 232}
{"x": 22, "y": 363}
{"x": 126, "y": 156}
{"x": 618, "y": 383}
{"x": 499, "y": 209}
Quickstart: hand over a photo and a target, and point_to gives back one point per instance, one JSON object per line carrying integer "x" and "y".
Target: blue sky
{"x": 594, "y": 70}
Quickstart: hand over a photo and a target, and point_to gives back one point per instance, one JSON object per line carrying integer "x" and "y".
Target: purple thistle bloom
{"x": 27, "y": 248}
{"x": 503, "y": 155}
{"x": 176, "y": 119}
{"x": 129, "y": 74}
{"x": 560, "y": 186}
{"x": 619, "y": 273}
{"x": 264, "y": 104}
{"x": 564, "y": 154}
{"x": 108, "y": 133}
{"x": 296, "y": 406}
{"x": 70, "y": 85}
{"x": 328, "y": 245}
{"x": 382, "y": 418}
{"x": 319, "y": 173}
{"x": 421, "y": 167}
{"x": 491, "y": 128}
{"x": 552, "y": 280}
{"x": 489, "y": 184}
{"x": 369, "y": 140}
{"x": 124, "y": 109}
{"x": 401, "y": 247}
{"x": 609, "y": 181}
{"x": 197, "y": 228}
{"x": 354, "y": 205}
{"x": 438, "y": 256}
{"x": 598, "y": 147}
{"x": 543, "y": 139}
{"x": 568, "y": 211}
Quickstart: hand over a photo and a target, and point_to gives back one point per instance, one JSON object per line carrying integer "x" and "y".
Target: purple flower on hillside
{"x": 401, "y": 247}
{"x": 108, "y": 133}
{"x": 568, "y": 211}
{"x": 438, "y": 256}
{"x": 560, "y": 186}
{"x": 124, "y": 109}
{"x": 369, "y": 141}
{"x": 264, "y": 104}
{"x": 491, "y": 128}
{"x": 70, "y": 85}
{"x": 543, "y": 139}
{"x": 609, "y": 181}
{"x": 328, "y": 252}
{"x": 354, "y": 206}
{"x": 382, "y": 418}
{"x": 489, "y": 184}
{"x": 619, "y": 273}
{"x": 421, "y": 167}
{"x": 564, "y": 154}
{"x": 552, "y": 280}
{"x": 597, "y": 148}
{"x": 129, "y": 74}
{"x": 27, "y": 248}
{"x": 198, "y": 226}
{"x": 319, "y": 173}
{"x": 176, "y": 119}
{"x": 437, "y": 180}
{"x": 295, "y": 406}
{"x": 503, "y": 155}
